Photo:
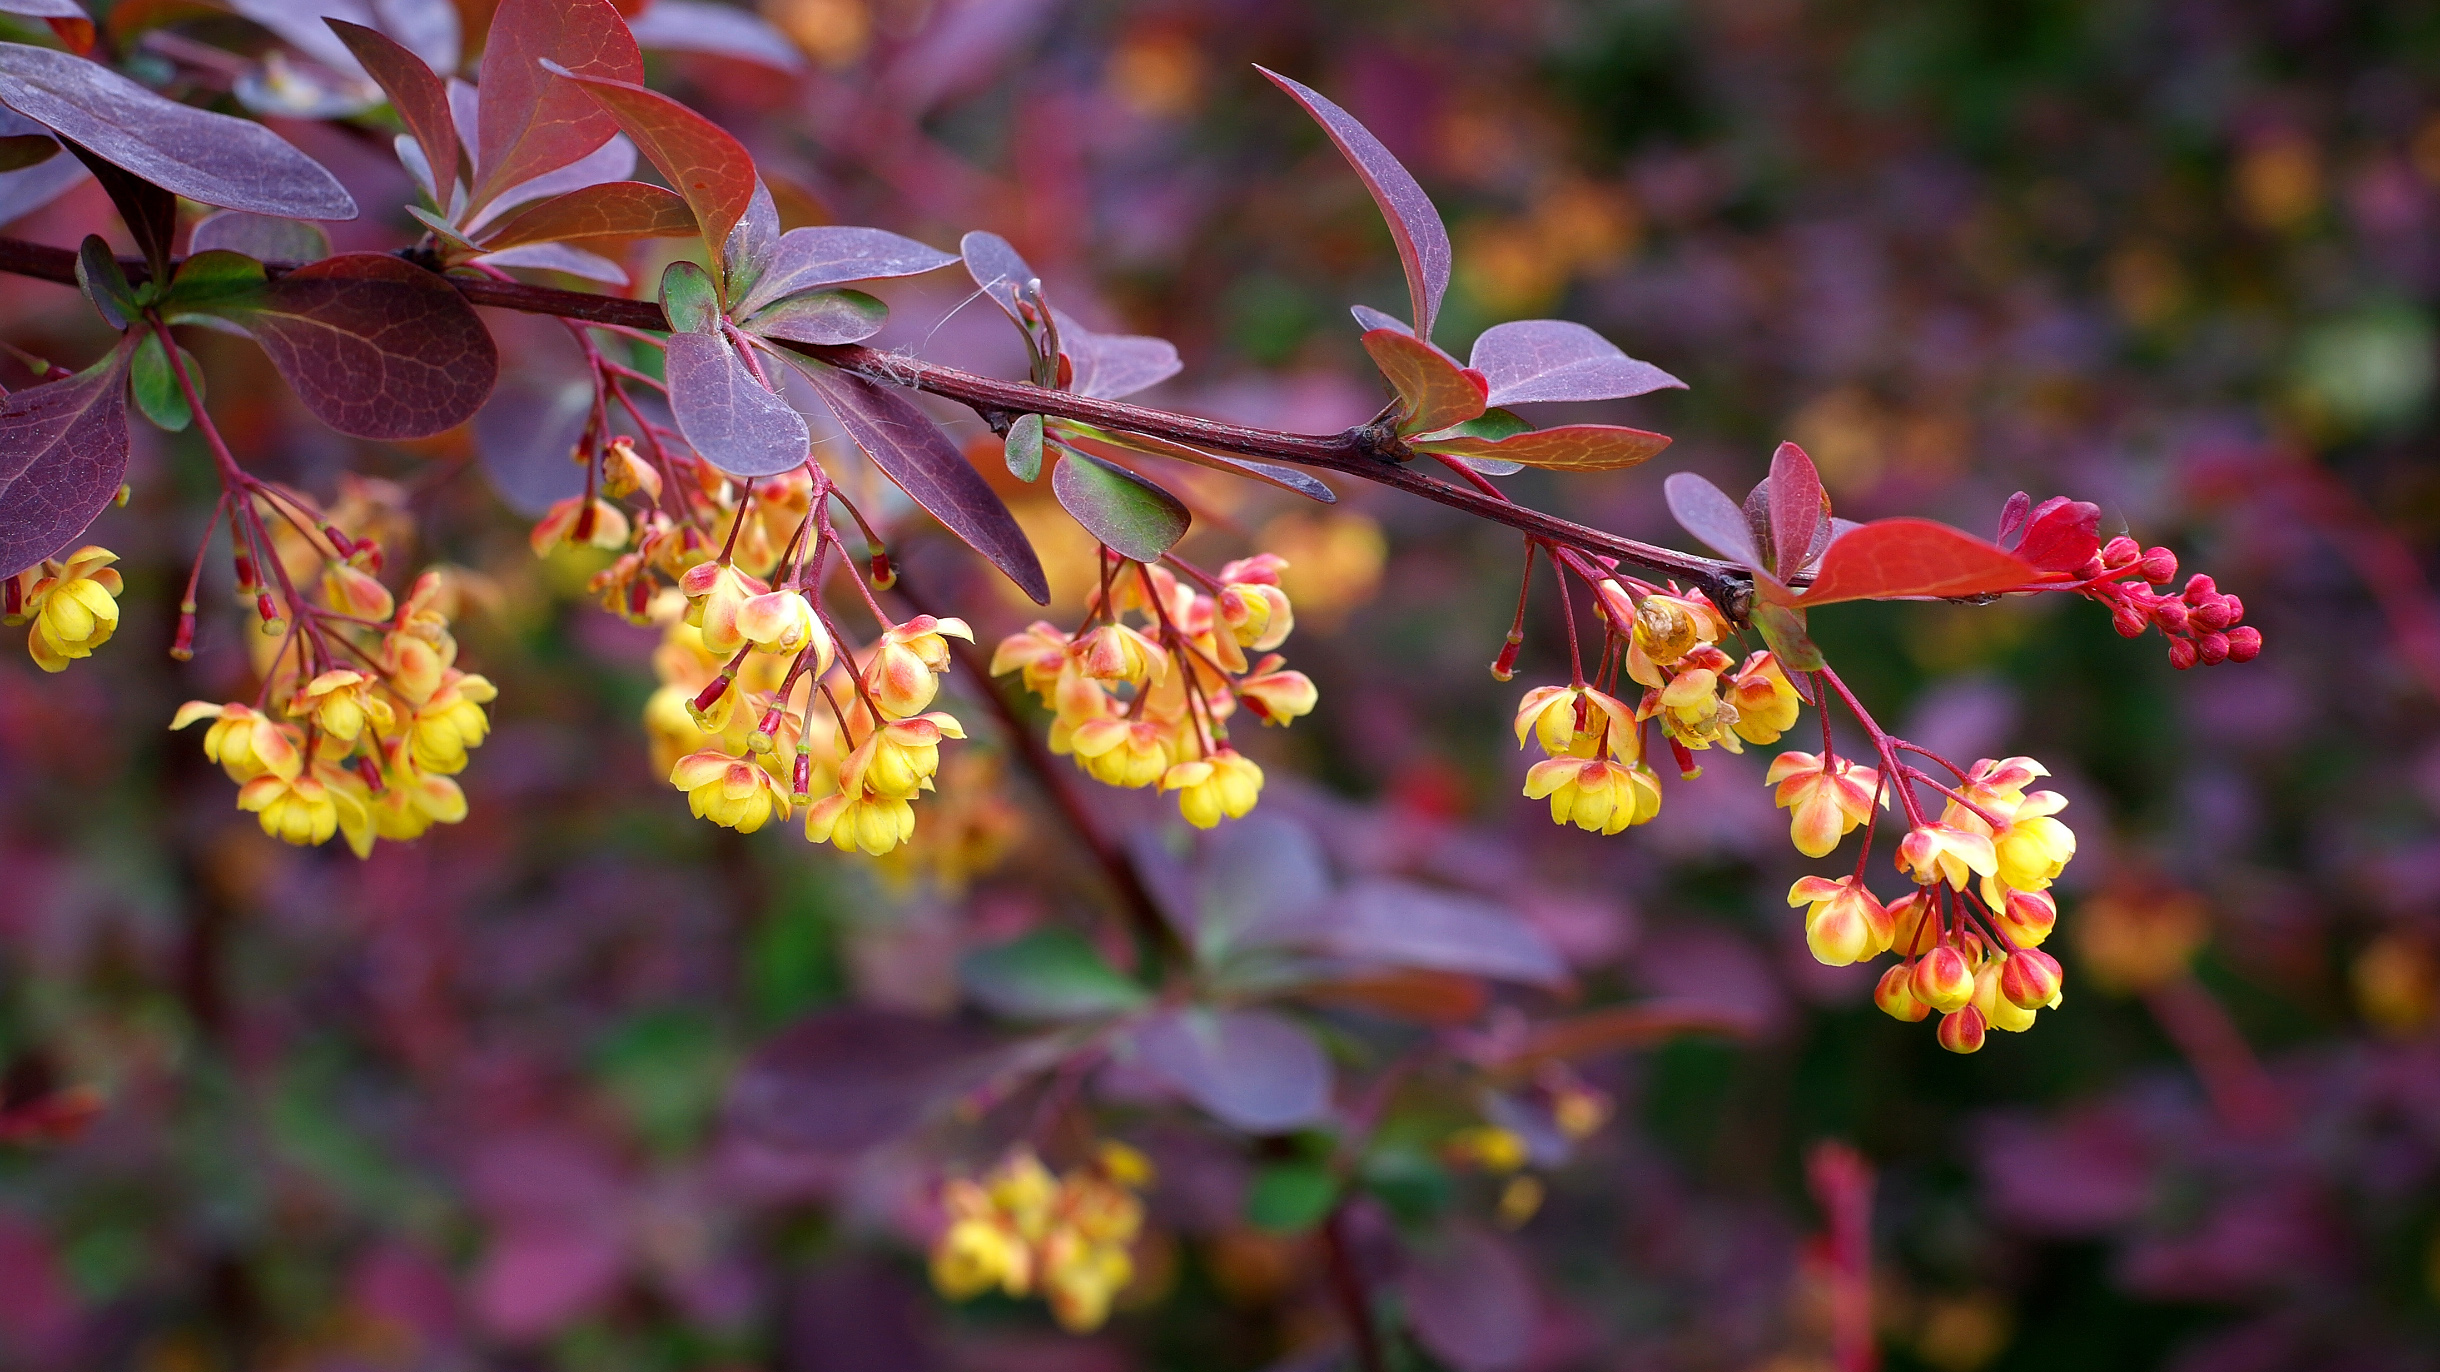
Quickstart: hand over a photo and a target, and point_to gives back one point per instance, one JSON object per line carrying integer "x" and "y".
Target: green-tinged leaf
{"x": 1023, "y": 447}
{"x": 1783, "y": 628}
{"x": 689, "y": 299}
{"x": 263, "y": 237}
{"x": 1129, "y": 514}
{"x": 1436, "y": 392}
{"x": 104, "y": 284}
{"x": 1567, "y": 448}
{"x": 1290, "y": 1197}
{"x": 1049, "y": 974}
{"x": 826, "y": 316}
{"x": 1412, "y": 1183}
{"x": 1285, "y": 478}
{"x": 209, "y": 285}
{"x": 1490, "y": 426}
{"x": 155, "y": 385}
{"x": 443, "y": 229}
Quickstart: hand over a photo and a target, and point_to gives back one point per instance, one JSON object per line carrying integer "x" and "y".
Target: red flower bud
{"x": 2029, "y": 979}
{"x": 2244, "y": 643}
{"x": 1961, "y": 1031}
{"x": 2159, "y": 566}
{"x": 2181, "y": 653}
{"x": 1896, "y": 995}
{"x": 2120, "y": 551}
{"x": 1942, "y": 980}
{"x": 2200, "y": 588}
{"x": 2130, "y": 621}
{"x": 2170, "y": 615}
{"x": 2211, "y": 649}
{"x": 2212, "y": 614}
{"x": 2091, "y": 567}
{"x": 2236, "y": 608}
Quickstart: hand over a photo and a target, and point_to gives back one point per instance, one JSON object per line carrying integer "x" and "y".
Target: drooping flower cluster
{"x": 364, "y": 720}
{"x": 1148, "y": 703}
{"x": 73, "y": 604}
{"x": 1019, "y": 1230}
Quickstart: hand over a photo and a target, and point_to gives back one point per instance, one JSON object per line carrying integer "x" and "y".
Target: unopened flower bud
{"x": 2159, "y": 566}
{"x": 2212, "y": 614}
{"x": 1961, "y": 1031}
{"x": 2181, "y": 653}
{"x": 1942, "y": 979}
{"x": 2092, "y": 567}
{"x": 2244, "y": 643}
{"x": 1896, "y": 995}
{"x": 2120, "y": 551}
{"x": 2030, "y": 978}
{"x": 2129, "y": 620}
{"x": 2200, "y": 588}
{"x": 2171, "y": 615}
{"x": 2211, "y": 649}
{"x": 884, "y": 575}
{"x": 1504, "y": 667}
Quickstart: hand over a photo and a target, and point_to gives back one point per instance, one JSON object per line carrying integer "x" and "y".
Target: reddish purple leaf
{"x": 906, "y": 445}
{"x": 416, "y": 92}
{"x": 1386, "y": 921}
{"x": 375, "y": 347}
{"x": 831, "y": 317}
{"x": 997, "y": 270}
{"x": 559, "y": 257}
{"x": 612, "y": 161}
{"x": 1111, "y": 365}
{"x": 63, "y": 453}
{"x": 1471, "y": 1300}
{"x": 843, "y": 1081}
{"x": 807, "y": 259}
{"x": 2012, "y": 518}
{"x": 699, "y": 159}
{"x": 1369, "y": 319}
{"x": 525, "y": 432}
{"x": 1253, "y": 1070}
{"x": 1285, "y": 478}
{"x": 1423, "y": 243}
{"x": 2061, "y": 535}
{"x": 751, "y": 242}
{"x": 733, "y": 420}
{"x": 1799, "y": 509}
{"x": 263, "y": 237}
{"x": 1437, "y": 392}
{"x": 1705, "y": 511}
{"x": 203, "y": 156}
{"x": 150, "y": 212}
{"x": 532, "y": 121}
{"x": 1566, "y": 447}
{"x": 718, "y": 30}
{"x": 1553, "y": 359}
{"x": 1889, "y": 558}
{"x": 614, "y": 209}
{"x": 30, "y": 188}
{"x": 540, "y": 1275}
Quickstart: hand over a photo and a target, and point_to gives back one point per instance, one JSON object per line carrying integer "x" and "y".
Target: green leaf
{"x": 1127, "y": 513}
{"x": 689, "y": 299}
{"x": 156, "y": 387}
{"x": 99, "y": 277}
{"x": 1287, "y": 1197}
{"x": 1411, "y": 1182}
{"x": 1023, "y": 447}
{"x": 211, "y": 285}
{"x": 1049, "y": 974}
{"x": 821, "y": 316}
{"x": 1490, "y": 426}
{"x": 1783, "y": 628}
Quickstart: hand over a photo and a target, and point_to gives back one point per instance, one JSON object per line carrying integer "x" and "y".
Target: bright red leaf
{"x": 531, "y": 121}
{"x": 1437, "y": 392}
{"x": 698, "y": 158}
{"x": 1890, "y": 558}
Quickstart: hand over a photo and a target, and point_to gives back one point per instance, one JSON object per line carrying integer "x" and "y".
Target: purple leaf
{"x": 1110, "y": 365}
{"x": 63, "y": 453}
{"x": 1423, "y": 243}
{"x": 1258, "y": 883}
{"x": 1253, "y": 1070}
{"x": 203, "y": 156}
{"x": 1285, "y": 478}
{"x": 1129, "y": 515}
{"x": 417, "y": 93}
{"x": 1437, "y": 393}
{"x": 263, "y": 237}
{"x": 1472, "y": 1302}
{"x": 533, "y": 121}
{"x": 612, "y": 161}
{"x": 1705, "y": 511}
{"x": 613, "y": 209}
{"x": 559, "y": 257}
{"x": 846, "y": 1080}
{"x": 540, "y": 1275}
{"x": 1383, "y": 920}
{"x": 24, "y": 191}
{"x": 699, "y": 159}
{"x": 733, "y": 420}
{"x": 906, "y": 445}
{"x": 1370, "y": 319}
{"x": 720, "y": 30}
{"x": 751, "y": 243}
{"x": 1799, "y": 510}
{"x": 1553, "y": 359}
{"x": 375, "y": 347}
{"x": 829, "y": 317}
{"x": 997, "y": 270}
{"x": 831, "y": 255}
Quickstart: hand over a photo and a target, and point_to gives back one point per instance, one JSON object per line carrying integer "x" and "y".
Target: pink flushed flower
{"x": 1274, "y": 695}
{"x": 1933, "y": 853}
{"x": 1824, "y": 803}
{"x": 1843, "y": 923}
{"x": 1595, "y": 794}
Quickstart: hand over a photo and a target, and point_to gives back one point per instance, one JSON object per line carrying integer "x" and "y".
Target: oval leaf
{"x": 688, "y": 299}
{"x": 719, "y": 30}
{"x": 830, "y": 255}
{"x": 1889, "y": 558}
{"x": 1250, "y": 1069}
{"x": 530, "y": 120}
{"x": 203, "y": 156}
{"x": 733, "y": 420}
{"x": 1555, "y": 359}
{"x": 263, "y": 237}
{"x": 416, "y": 92}
{"x": 1023, "y": 447}
{"x": 1566, "y": 447}
{"x": 997, "y": 270}
{"x": 1472, "y": 1301}
{"x": 1423, "y": 242}
{"x": 1437, "y": 392}
{"x": 104, "y": 282}
{"x": 1799, "y": 509}
{"x": 1129, "y": 514}
{"x": 907, "y": 446}
{"x": 613, "y": 209}
{"x": 1111, "y": 365}
{"x": 155, "y": 386}
{"x": 1783, "y": 629}
{"x": 1402, "y": 924}
{"x": 1705, "y": 511}
{"x": 699, "y": 159}
{"x": 63, "y": 454}
{"x": 1050, "y": 974}
{"x": 830, "y": 317}
{"x": 1285, "y": 478}
{"x": 375, "y": 347}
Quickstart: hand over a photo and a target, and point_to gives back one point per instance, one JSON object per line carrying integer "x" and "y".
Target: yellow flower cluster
{"x": 365, "y": 751}
{"x": 1019, "y": 1230}
{"x": 73, "y": 604}
{"x": 1148, "y": 703}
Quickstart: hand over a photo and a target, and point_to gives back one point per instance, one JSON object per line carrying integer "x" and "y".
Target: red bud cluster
{"x": 2201, "y": 622}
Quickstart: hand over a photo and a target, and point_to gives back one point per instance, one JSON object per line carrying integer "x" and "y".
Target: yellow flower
{"x": 1667, "y": 628}
{"x": 1225, "y": 784}
{"x": 1594, "y": 794}
{"x": 450, "y": 722}
{"x": 903, "y": 673}
{"x": 1041, "y": 652}
{"x": 342, "y": 702}
{"x": 2026, "y": 917}
{"x": 246, "y": 743}
{"x": 625, "y": 472}
{"x": 899, "y": 760}
{"x": 1549, "y": 714}
{"x": 729, "y": 791}
{"x": 306, "y": 809}
{"x": 1843, "y": 923}
{"x": 715, "y": 594}
{"x": 2032, "y": 848}
{"x": 860, "y": 821}
{"x": 1766, "y": 700}
{"x": 1120, "y": 752}
{"x": 353, "y": 591}
{"x": 1081, "y": 1277}
{"x": 1277, "y": 697}
{"x": 979, "y": 1249}
{"x": 1256, "y": 614}
{"x": 1124, "y": 1163}
{"x": 411, "y": 803}
{"x": 594, "y": 523}
{"x": 1998, "y": 1011}
{"x": 74, "y": 607}
{"x": 1489, "y": 1147}
{"x": 1943, "y": 852}
{"x": 1943, "y": 979}
{"x": 1824, "y": 803}
{"x": 1116, "y": 652}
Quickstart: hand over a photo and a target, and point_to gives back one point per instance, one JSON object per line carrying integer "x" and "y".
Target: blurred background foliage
{"x": 461, "y": 1105}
